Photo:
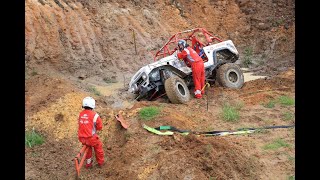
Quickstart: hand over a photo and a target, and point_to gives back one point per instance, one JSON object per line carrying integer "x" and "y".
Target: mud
{"x": 76, "y": 49}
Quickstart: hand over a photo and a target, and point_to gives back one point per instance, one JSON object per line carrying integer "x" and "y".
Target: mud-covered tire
{"x": 177, "y": 90}
{"x": 230, "y": 75}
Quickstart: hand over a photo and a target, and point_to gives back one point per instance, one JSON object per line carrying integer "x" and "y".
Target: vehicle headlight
{"x": 144, "y": 76}
{"x": 155, "y": 76}
{"x": 133, "y": 89}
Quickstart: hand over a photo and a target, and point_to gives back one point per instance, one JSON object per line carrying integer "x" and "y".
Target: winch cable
{"x": 267, "y": 127}
{"x": 171, "y": 129}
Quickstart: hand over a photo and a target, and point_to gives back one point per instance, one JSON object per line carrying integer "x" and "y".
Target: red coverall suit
{"x": 89, "y": 123}
{"x": 191, "y": 57}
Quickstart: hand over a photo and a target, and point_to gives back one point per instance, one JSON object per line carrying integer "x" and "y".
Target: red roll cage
{"x": 166, "y": 51}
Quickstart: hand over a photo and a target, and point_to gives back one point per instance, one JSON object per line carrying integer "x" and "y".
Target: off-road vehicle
{"x": 171, "y": 77}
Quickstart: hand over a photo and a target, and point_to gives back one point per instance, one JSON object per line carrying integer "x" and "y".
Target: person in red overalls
{"x": 89, "y": 123}
{"x": 193, "y": 60}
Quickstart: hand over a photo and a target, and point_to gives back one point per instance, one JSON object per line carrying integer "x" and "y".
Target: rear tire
{"x": 177, "y": 90}
{"x": 230, "y": 75}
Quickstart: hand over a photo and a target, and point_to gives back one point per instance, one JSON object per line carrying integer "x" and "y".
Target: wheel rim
{"x": 181, "y": 89}
{"x": 233, "y": 76}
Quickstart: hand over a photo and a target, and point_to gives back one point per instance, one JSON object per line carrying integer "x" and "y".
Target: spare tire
{"x": 230, "y": 75}
{"x": 177, "y": 90}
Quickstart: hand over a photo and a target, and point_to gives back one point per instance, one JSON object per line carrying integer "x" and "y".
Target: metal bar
{"x": 82, "y": 149}
{"x": 76, "y": 159}
{"x": 77, "y": 166}
{"x": 83, "y": 158}
{"x": 160, "y": 96}
{"x": 153, "y": 94}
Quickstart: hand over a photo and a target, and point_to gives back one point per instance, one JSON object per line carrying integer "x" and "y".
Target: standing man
{"x": 90, "y": 122}
{"x": 193, "y": 60}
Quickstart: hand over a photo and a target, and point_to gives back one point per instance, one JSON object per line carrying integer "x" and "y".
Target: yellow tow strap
{"x": 207, "y": 84}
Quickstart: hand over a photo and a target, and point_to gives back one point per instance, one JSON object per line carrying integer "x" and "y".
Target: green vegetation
{"x": 230, "y": 113}
{"x": 288, "y": 116}
{"x": 276, "y": 144}
{"x": 283, "y": 100}
{"x": 291, "y": 178}
{"x": 292, "y": 159}
{"x": 148, "y": 113}
{"x": 270, "y": 104}
{"x": 34, "y": 72}
{"x": 277, "y": 22}
{"x": 109, "y": 80}
{"x": 247, "y": 56}
{"x": 286, "y": 100}
{"x": 94, "y": 91}
{"x": 32, "y": 138}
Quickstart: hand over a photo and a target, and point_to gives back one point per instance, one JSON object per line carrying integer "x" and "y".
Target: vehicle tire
{"x": 230, "y": 75}
{"x": 177, "y": 90}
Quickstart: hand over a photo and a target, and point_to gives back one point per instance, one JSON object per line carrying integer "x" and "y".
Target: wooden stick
{"x": 134, "y": 41}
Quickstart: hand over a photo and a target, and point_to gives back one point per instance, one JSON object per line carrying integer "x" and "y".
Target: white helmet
{"x": 183, "y": 43}
{"x": 89, "y": 102}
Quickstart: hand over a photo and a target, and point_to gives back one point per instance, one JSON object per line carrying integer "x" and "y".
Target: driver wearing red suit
{"x": 193, "y": 60}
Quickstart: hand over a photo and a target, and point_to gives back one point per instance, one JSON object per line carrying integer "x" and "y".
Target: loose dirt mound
{"x": 261, "y": 90}
{"x": 205, "y": 158}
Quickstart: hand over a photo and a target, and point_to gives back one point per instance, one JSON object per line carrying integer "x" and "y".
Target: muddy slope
{"x": 86, "y": 38}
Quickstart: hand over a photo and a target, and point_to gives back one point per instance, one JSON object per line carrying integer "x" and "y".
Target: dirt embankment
{"x": 87, "y": 38}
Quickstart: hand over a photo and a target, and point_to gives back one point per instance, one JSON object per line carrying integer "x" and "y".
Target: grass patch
{"x": 32, "y": 139}
{"x": 276, "y": 145}
{"x": 292, "y": 159}
{"x": 277, "y": 22}
{"x": 230, "y": 113}
{"x": 291, "y": 178}
{"x": 148, "y": 113}
{"x": 109, "y": 80}
{"x": 286, "y": 100}
{"x": 34, "y": 72}
{"x": 247, "y": 56}
{"x": 287, "y": 116}
{"x": 270, "y": 104}
{"x": 94, "y": 91}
